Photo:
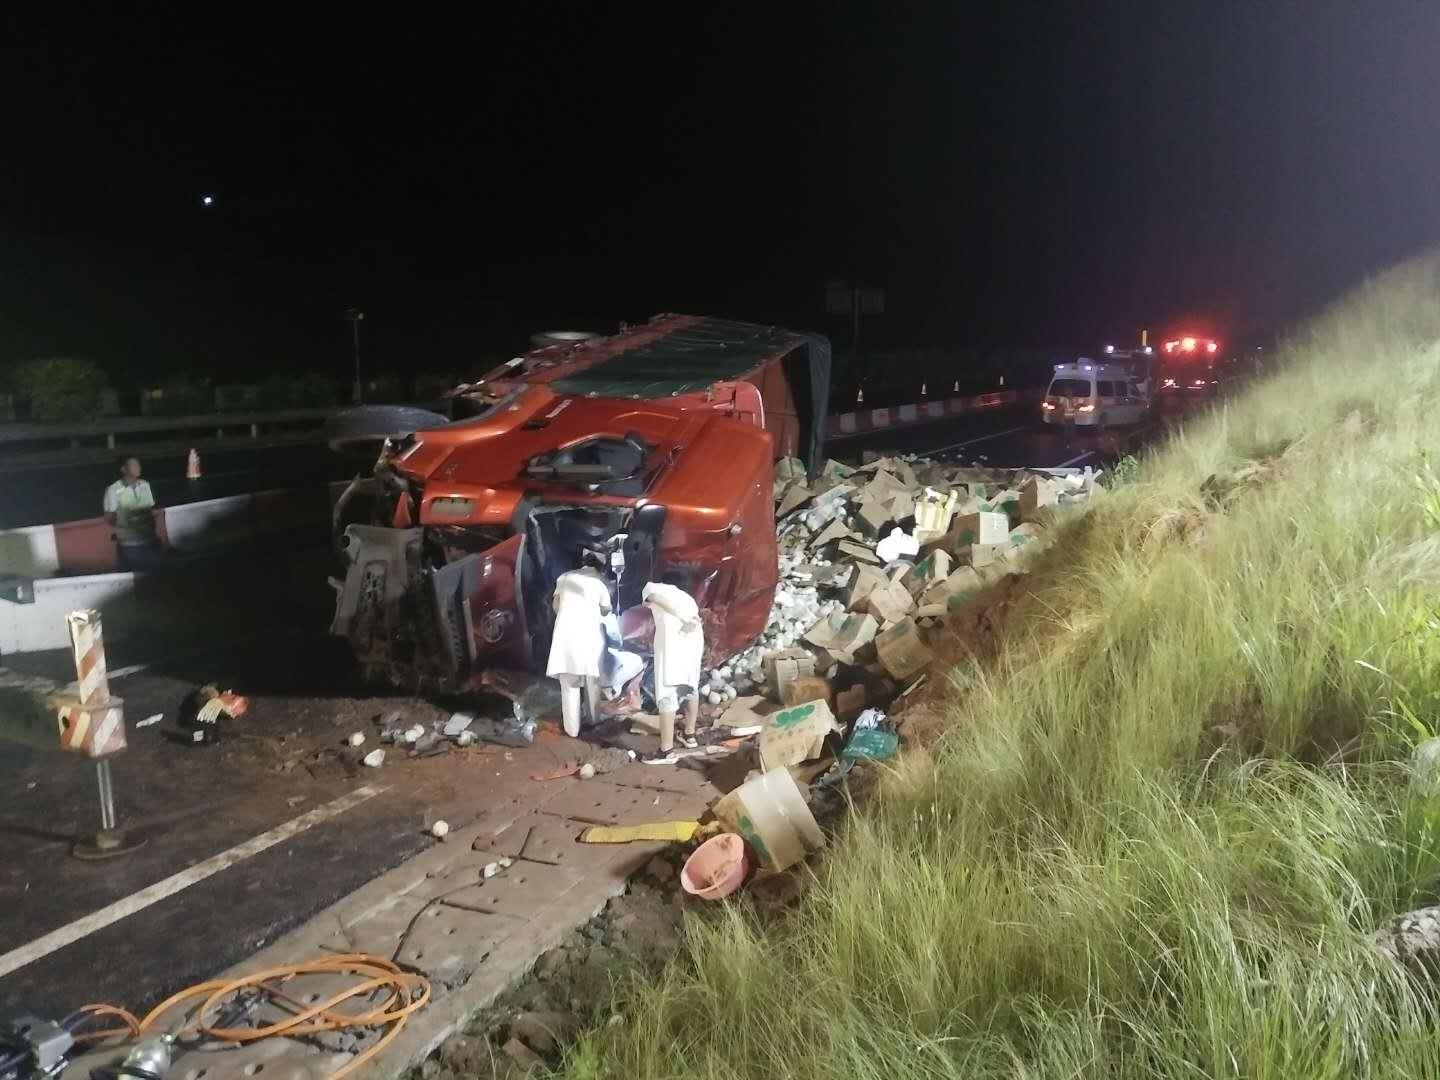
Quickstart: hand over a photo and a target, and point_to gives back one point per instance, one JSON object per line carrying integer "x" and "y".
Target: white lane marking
{"x": 1073, "y": 460}
{"x": 112, "y": 913}
{"x": 982, "y": 438}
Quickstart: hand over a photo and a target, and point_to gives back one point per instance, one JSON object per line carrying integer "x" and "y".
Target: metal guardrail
{"x": 73, "y": 433}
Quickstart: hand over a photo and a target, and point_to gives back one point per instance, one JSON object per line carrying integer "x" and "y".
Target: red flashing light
{"x": 1188, "y": 344}
{"x": 1211, "y": 346}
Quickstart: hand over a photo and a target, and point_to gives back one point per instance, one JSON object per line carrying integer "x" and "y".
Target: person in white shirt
{"x": 130, "y": 509}
{"x": 577, "y": 646}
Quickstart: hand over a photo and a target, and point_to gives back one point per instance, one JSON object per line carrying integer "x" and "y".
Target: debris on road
{"x": 149, "y": 720}
{"x": 716, "y": 868}
{"x": 771, "y": 814}
{"x": 457, "y": 723}
{"x": 203, "y": 710}
{"x": 374, "y": 759}
{"x": 678, "y": 832}
{"x": 440, "y": 830}
{"x": 357, "y": 739}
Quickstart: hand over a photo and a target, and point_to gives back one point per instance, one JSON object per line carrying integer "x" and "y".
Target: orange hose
{"x": 407, "y": 994}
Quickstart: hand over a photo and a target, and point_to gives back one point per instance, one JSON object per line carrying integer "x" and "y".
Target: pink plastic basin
{"x": 717, "y": 868}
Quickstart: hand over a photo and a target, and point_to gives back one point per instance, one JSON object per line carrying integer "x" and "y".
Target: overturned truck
{"x": 650, "y": 454}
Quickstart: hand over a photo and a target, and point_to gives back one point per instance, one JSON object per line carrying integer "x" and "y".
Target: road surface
{"x": 1013, "y": 437}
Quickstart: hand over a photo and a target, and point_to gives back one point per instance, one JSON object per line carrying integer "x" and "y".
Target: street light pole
{"x": 355, "y": 315}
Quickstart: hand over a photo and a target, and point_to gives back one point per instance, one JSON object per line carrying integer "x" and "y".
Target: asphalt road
{"x": 39, "y": 494}
{"x": 286, "y": 758}
{"x": 1014, "y": 437}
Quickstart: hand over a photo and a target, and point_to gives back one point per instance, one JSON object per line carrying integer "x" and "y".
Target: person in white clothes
{"x": 129, "y": 508}
{"x": 679, "y": 646}
{"x": 577, "y": 646}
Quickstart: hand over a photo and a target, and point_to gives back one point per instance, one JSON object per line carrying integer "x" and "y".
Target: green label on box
{"x": 790, "y": 717}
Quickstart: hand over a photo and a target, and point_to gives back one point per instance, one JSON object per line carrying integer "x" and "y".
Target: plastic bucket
{"x": 717, "y": 868}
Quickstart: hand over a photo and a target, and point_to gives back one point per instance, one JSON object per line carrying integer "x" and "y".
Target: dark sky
{"x": 1011, "y": 173}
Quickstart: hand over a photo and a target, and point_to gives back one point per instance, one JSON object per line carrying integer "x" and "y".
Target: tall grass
{"x": 1161, "y": 827}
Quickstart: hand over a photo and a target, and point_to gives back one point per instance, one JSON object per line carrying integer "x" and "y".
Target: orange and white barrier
{"x": 91, "y": 721}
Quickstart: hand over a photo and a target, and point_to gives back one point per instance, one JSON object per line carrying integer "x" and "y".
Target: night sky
{"x": 1010, "y": 173}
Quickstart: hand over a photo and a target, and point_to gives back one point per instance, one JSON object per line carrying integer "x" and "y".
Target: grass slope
{"x": 1161, "y": 827}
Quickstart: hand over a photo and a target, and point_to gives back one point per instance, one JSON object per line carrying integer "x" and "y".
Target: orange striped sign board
{"x": 91, "y": 721}
{"x": 96, "y": 729}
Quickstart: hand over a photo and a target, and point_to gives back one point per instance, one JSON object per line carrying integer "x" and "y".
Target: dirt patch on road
{"x": 570, "y": 986}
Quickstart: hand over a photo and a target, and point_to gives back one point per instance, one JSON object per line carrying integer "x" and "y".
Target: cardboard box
{"x": 784, "y": 667}
{"x": 982, "y": 555}
{"x": 932, "y": 569}
{"x": 982, "y": 528}
{"x": 836, "y": 530}
{"x": 805, "y": 688}
{"x": 796, "y": 496}
{"x": 843, "y": 634}
{"x": 796, "y": 734}
{"x": 851, "y": 703}
{"x": 890, "y": 602}
{"x": 902, "y": 506}
{"x": 934, "y": 511}
{"x": 744, "y": 712}
{"x": 962, "y": 582}
{"x": 865, "y": 580}
{"x": 789, "y": 468}
{"x": 854, "y": 549}
{"x": 872, "y": 515}
{"x": 769, "y": 812}
{"x": 1036, "y": 494}
{"x": 902, "y": 651}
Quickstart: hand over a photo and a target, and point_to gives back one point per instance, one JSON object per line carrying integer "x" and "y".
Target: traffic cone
{"x": 192, "y": 465}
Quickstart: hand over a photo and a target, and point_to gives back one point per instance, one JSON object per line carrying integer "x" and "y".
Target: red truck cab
{"x": 650, "y": 453}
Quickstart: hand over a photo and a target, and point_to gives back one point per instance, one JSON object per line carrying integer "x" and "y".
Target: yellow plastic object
{"x": 676, "y": 832}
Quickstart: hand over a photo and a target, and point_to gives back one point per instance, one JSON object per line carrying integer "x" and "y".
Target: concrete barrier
{"x": 30, "y": 552}
{"x": 41, "y": 625}
{"x": 88, "y": 546}
{"x": 842, "y": 425}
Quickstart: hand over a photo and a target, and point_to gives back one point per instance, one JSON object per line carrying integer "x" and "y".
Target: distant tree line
{"x": 65, "y": 388}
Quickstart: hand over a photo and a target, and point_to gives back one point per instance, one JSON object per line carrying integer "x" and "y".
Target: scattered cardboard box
{"x": 853, "y": 549}
{"x": 1036, "y": 494}
{"x": 863, "y": 582}
{"x": 902, "y": 651}
{"x": 805, "y": 688}
{"x": 890, "y": 602}
{"x": 784, "y": 667}
{"x": 851, "y": 703}
{"x": 933, "y": 568}
{"x": 796, "y": 734}
{"x": 872, "y": 516}
{"x": 769, "y": 812}
{"x": 744, "y": 712}
{"x": 982, "y": 555}
{"x": 796, "y": 496}
{"x": 982, "y": 528}
{"x": 836, "y": 530}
